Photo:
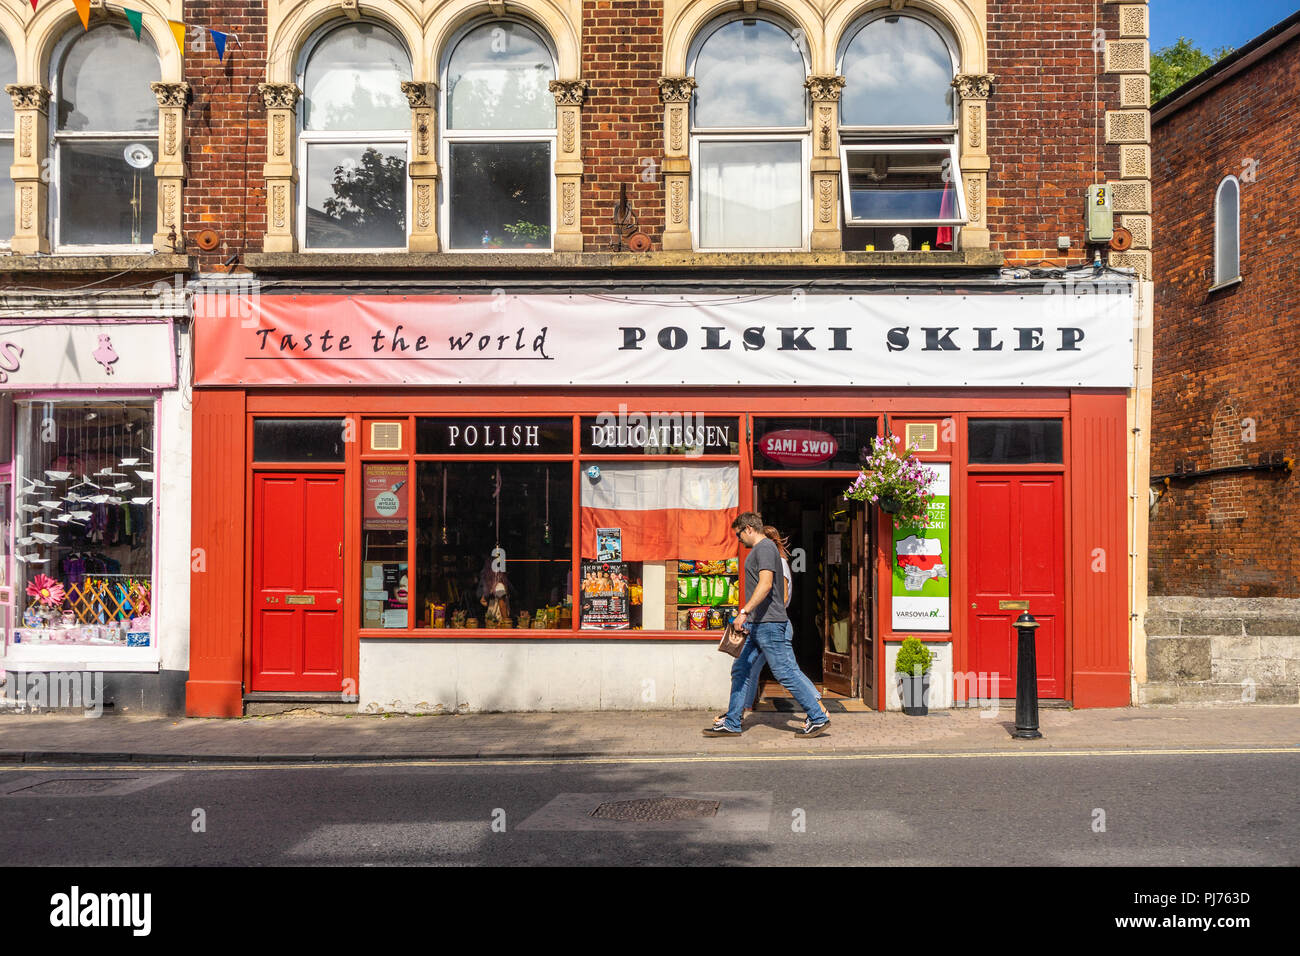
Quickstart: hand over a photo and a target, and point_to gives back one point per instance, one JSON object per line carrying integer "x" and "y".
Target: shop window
{"x": 299, "y": 439}
{"x": 1227, "y": 232}
{"x": 494, "y": 544}
{"x": 105, "y": 135}
{"x": 811, "y": 444}
{"x": 498, "y": 126}
{"x": 84, "y": 515}
{"x": 355, "y": 139}
{"x": 8, "y": 75}
{"x": 657, "y": 549}
{"x": 898, "y": 132}
{"x": 385, "y": 571}
{"x": 749, "y": 142}
{"x": 1019, "y": 441}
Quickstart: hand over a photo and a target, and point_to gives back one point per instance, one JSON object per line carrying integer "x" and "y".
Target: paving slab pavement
{"x": 305, "y": 736}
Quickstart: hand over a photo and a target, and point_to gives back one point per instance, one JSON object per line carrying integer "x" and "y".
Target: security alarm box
{"x": 1100, "y": 218}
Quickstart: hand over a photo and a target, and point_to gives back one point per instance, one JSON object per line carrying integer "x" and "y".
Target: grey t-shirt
{"x": 765, "y": 557}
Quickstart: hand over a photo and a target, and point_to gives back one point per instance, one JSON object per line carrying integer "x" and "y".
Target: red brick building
{"x": 873, "y": 212}
{"x": 1225, "y": 561}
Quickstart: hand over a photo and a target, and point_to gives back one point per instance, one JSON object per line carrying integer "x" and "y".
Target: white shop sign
{"x": 1063, "y": 339}
{"x": 95, "y": 354}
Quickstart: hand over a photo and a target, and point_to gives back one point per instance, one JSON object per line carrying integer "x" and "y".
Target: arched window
{"x": 105, "y": 139}
{"x": 8, "y": 74}
{"x": 902, "y": 179}
{"x": 1227, "y": 231}
{"x": 749, "y": 136}
{"x": 498, "y": 137}
{"x": 355, "y": 139}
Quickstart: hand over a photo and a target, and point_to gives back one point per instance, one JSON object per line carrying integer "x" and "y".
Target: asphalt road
{"x": 1141, "y": 809}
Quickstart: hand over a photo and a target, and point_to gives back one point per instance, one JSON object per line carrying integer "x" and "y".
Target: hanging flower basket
{"x": 898, "y": 485}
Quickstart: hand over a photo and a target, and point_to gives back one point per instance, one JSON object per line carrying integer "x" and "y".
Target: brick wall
{"x": 1225, "y": 362}
{"x": 226, "y": 131}
{"x": 623, "y": 119}
{"x": 1047, "y": 141}
{"x": 1046, "y": 136}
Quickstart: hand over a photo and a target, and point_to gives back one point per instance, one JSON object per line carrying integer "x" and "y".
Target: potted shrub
{"x": 529, "y": 233}
{"x": 898, "y": 485}
{"x": 912, "y": 671}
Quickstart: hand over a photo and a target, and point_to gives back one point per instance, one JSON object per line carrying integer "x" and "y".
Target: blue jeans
{"x": 771, "y": 639}
{"x": 756, "y": 669}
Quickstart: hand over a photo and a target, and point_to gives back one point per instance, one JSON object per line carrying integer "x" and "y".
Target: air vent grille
{"x": 385, "y": 436}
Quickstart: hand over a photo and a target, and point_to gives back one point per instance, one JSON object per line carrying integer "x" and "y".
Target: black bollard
{"x": 1026, "y": 680}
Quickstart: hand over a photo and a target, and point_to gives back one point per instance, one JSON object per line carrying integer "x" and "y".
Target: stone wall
{"x": 1222, "y": 650}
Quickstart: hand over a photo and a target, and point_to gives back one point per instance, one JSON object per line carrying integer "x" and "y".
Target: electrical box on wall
{"x": 1100, "y": 217}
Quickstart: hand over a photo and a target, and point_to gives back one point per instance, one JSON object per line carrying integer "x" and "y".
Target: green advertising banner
{"x": 921, "y": 562}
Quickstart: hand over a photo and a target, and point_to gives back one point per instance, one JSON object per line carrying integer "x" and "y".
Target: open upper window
{"x": 1227, "y": 232}
{"x": 8, "y": 74}
{"x": 105, "y": 136}
{"x": 355, "y": 139}
{"x": 749, "y": 136}
{"x": 498, "y": 138}
{"x": 898, "y": 130}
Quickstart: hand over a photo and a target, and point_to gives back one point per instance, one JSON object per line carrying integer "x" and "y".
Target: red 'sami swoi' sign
{"x": 798, "y": 446}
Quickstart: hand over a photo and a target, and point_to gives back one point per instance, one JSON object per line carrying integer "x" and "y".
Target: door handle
{"x": 340, "y": 549}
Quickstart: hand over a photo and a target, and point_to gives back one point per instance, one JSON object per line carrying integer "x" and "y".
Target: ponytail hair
{"x": 782, "y": 544}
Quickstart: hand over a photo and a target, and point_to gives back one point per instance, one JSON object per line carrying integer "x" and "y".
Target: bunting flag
{"x": 219, "y": 41}
{"x": 83, "y": 11}
{"x": 34, "y": 2}
{"x": 136, "y": 19}
{"x": 178, "y": 33}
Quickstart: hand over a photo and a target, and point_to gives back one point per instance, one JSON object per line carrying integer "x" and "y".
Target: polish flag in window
{"x": 665, "y": 511}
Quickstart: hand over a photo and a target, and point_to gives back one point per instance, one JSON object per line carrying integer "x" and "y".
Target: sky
{"x": 1211, "y": 24}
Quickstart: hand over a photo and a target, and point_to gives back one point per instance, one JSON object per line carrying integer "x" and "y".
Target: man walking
{"x": 763, "y": 617}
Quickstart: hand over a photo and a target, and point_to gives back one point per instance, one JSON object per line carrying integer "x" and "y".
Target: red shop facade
{"x": 435, "y": 503}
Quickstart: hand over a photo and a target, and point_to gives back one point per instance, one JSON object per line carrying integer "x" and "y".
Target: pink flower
{"x": 48, "y": 590}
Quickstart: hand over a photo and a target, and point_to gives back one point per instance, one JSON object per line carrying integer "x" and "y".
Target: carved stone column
{"x": 31, "y": 192}
{"x": 170, "y": 168}
{"x": 423, "y": 167}
{"x": 973, "y": 91}
{"x": 825, "y": 91}
{"x": 569, "y": 97}
{"x": 675, "y": 91}
{"x": 281, "y": 169}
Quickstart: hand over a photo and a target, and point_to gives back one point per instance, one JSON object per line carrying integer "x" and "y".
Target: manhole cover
{"x": 656, "y": 809}
{"x": 75, "y": 786}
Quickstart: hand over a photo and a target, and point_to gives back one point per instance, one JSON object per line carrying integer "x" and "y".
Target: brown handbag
{"x": 733, "y": 639}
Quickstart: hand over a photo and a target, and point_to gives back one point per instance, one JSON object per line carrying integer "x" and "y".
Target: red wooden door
{"x": 1017, "y": 555}
{"x": 297, "y": 583}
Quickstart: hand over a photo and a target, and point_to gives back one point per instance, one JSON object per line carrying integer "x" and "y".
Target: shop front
{"x": 95, "y": 476}
{"x": 462, "y": 503}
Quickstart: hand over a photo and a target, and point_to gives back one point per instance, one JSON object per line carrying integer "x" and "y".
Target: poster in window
{"x": 921, "y": 559}
{"x": 604, "y": 596}
{"x": 386, "y": 495}
{"x": 609, "y": 544}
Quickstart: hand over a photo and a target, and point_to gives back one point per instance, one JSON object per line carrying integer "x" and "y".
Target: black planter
{"x": 890, "y": 506}
{"x": 914, "y": 692}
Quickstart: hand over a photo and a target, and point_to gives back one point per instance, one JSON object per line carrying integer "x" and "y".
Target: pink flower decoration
{"x": 48, "y": 590}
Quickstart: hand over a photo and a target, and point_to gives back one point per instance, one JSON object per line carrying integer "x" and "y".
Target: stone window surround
{"x": 280, "y": 101}
{"x": 973, "y": 91}
{"x": 49, "y": 29}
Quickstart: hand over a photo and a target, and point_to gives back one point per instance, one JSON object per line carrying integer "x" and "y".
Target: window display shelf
{"x": 91, "y": 657}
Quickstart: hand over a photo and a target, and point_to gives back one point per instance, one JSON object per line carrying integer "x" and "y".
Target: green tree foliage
{"x": 1175, "y": 65}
